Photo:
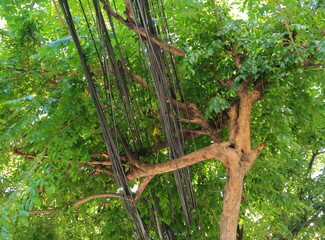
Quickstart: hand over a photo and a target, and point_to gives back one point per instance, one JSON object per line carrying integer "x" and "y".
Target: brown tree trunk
{"x": 238, "y": 165}
{"x": 231, "y": 204}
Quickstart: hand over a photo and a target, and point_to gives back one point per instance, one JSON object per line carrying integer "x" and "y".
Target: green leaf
{"x": 24, "y": 220}
{"x": 216, "y": 105}
{"x": 4, "y": 235}
{"x": 24, "y": 213}
{"x": 50, "y": 189}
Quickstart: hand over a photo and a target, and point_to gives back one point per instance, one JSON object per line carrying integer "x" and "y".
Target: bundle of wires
{"x": 164, "y": 90}
{"x": 170, "y": 125}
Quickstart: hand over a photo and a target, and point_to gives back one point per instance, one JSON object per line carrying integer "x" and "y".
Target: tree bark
{"x": 219, "y": 151}
{"x": 231, "y": 204}
{"x": 240, "y": 163}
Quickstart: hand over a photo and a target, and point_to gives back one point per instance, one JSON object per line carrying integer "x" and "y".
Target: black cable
{"x": 110, "y": 144}
{"x": 170, "y": 125}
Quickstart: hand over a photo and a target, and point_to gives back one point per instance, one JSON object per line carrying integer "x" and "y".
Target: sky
{"x": 2, "y": 23}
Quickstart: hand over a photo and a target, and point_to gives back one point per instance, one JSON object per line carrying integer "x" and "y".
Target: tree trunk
{"x": 231, "y": 204}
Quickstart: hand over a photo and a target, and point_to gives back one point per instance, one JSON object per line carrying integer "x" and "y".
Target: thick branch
{"x": 100, "y": 195}
{"x": 138, "y": 79}
{"x": 233, "y": 116}
{"x": 247, "y": 159}
{"x": 198, "y": 132}
{"x": 257, "y": 92}
{"x": 105, "y": 155}
{"x": 129, "y": 12}
{"x": 240, "y": 116}
{"x": 218, "y": 151}
{"x": 237, "y": 57}
{"x": 140, "y": 153}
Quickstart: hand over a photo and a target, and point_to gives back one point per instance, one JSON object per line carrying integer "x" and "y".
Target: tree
{"x": 182, "y": 87}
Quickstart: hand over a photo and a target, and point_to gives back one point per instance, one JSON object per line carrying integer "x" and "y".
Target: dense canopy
{"x": 162, "y": 119}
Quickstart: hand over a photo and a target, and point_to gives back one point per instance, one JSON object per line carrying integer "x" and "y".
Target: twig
{"x": 18, "y": 152}
{"x": 131, "y": 157}
{"x": 313, "y": 69}
{"x": 312, "y": 160}
{"x": 216, "y": 12}
{"x": 287, "y": 27}
{"x": 58, "y": 13}
{"x": 79, "y": 202}
{"x": 97, "y": 170}
{"x": 195, "y": 131}
{"x": 143, "y": 185}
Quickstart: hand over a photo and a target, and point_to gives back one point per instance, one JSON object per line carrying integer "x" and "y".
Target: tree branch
{"x": 196, "y": 117}
{"x": 79, "y": 202}
{"x": 312, "y": 160}
{"x": 143, "y": 185}
{"x": 219, "y": 151}
{"x": 100, "y": 195}
{"x": 97, "y": 170}
{"x": 237, "y": 57}
{"x": 19, "y": 153}
{"x": 313, "y": 69}
{"x": 58, "y": 13}
{"x": 140, "y": 30}
{"x": 129, "y": 12}
{"x": 287, "y": 27}
{"x": 198, "y": 132}
{"x": 132, "y": 158}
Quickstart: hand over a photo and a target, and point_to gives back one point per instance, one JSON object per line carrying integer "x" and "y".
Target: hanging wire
{"x": 109, "y": 142}
{"x": 119, "y": 76}
{"x": 175, "y": 84}
{"x": 170, "y": 125}
{"x": 160, "y": 67}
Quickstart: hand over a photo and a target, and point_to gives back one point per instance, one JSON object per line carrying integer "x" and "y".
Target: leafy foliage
{"x": 47, "y": 114}
{"x": 215, "y": 106}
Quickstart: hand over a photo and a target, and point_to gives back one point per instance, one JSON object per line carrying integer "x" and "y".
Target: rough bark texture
{"x": 240, "y": 163}
{"x": 231, "y": 204}
{"x": 242, "y": 139}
